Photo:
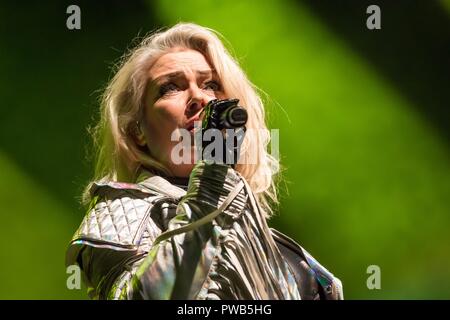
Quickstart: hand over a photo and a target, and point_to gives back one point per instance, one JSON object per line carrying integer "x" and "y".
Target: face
{"x": 181, "y": 83}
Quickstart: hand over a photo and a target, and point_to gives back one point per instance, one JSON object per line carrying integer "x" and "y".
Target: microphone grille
{"x": 237, "y": 117}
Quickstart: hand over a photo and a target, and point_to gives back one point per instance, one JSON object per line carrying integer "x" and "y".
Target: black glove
{"x": 228, "y": 121}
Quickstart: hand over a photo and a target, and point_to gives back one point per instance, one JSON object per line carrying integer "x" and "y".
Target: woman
{"x": 160, "y": 229}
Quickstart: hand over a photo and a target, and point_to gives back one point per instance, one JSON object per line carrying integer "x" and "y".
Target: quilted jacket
{"x": 155, "y": 240}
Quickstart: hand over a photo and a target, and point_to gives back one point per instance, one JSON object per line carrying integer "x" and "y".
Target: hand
{"x": 223, "y": 131}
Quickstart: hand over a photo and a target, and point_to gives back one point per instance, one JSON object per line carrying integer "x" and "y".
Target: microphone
{"x": 224, "y": 114}
{"x": 219, "y": 115}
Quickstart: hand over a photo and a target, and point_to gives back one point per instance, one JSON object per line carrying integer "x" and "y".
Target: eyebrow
{"x": 177, "y": 74}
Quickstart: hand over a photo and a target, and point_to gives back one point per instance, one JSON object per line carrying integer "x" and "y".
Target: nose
{"x": 198, "y": 100}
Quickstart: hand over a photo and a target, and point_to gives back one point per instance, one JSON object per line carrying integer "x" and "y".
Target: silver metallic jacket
{"x": 154, "y": 240}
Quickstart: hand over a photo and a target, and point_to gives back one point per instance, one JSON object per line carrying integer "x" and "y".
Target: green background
{"x": 363, "y": 119}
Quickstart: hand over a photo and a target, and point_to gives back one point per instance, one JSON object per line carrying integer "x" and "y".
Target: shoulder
{"x": 116, "y": 211}
{"x": 114, "y": 219}
{"x": 304, "y": 265}
{"x": 113, "y": 232}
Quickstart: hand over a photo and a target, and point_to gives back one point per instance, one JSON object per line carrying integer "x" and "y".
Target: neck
{"x": 181, "y": 182}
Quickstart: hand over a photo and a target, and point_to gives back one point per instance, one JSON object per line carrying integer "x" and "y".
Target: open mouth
{"x": 191, "y": 125}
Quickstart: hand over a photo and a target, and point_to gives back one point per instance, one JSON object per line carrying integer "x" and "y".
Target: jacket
{"x": 155, "y": 240}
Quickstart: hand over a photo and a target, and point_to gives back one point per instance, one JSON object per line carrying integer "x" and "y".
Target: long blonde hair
{"x": 118, "y": 157}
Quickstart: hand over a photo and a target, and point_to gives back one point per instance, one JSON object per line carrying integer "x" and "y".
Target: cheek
{"x": 164, "y": 117}
{"x": 220, "y": 95}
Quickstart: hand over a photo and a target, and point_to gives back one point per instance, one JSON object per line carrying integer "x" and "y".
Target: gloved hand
{"x": 223, "y": 130}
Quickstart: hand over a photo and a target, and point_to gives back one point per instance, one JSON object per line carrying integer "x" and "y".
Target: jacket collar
{"x": 160, "y": 184}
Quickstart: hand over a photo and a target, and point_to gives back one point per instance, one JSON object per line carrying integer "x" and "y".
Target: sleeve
{"x": 110, "y": 236}
{"x": 178, "y": 261}
{"x": 313, "y": 279}
{"x": 100, "y": 267}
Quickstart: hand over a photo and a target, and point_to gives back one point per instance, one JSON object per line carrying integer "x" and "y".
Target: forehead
{"x": 181, "y": 60}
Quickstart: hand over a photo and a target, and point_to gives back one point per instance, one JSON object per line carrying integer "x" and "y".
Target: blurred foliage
{"x": 363, "y": 139}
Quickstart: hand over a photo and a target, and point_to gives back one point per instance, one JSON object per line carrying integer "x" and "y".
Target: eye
{"x": 213, "y": 85}
{"x": 167, "y": 88}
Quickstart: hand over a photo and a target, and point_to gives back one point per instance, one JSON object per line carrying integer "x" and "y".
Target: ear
{"x": 137, "y": 134}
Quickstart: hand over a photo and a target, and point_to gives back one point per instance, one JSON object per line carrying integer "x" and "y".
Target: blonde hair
{"x": 118, "y": 157}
